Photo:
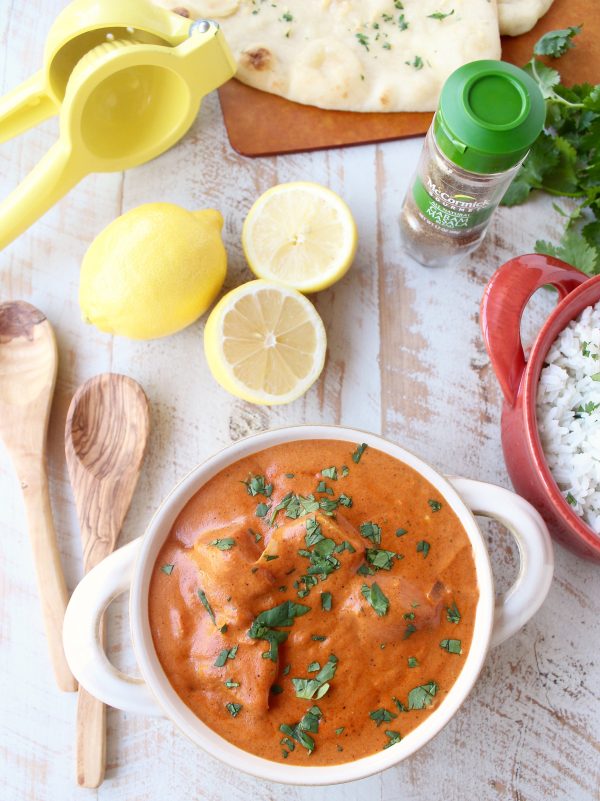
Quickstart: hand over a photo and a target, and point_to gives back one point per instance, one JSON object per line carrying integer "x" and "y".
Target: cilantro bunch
{"x": 565, "y": 159}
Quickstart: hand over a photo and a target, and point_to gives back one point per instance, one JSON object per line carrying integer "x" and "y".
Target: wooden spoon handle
{"x": 91, "y": 740}
{"x": 50, "y": 578}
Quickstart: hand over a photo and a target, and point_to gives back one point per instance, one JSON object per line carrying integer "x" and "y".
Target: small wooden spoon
{"x": 105, "y": 441}
{"x": 28, "y": 365}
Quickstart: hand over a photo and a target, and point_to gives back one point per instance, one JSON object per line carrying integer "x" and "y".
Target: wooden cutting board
{"x": 262, "y": 124}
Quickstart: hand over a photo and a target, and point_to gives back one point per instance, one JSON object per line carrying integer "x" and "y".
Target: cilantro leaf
{"x": 371, "y": 531}
{"x": 452, "y": 646}
{"x": 440, "y": 15}
{"x": 556, "y": 43}
{"x": 206, "y": 605}
{"x": 394, "y": 737}
{"x": 422, "y": 696}
{"x": 376, "y": 598}
{"x": 382, "y": 715}
{"x": 283, "y": 614}
{"x": 225, "y": 544}
{"x": 574, "y": 250}
{"x": 316, "y": 688}
{"x": 452, "y": 614}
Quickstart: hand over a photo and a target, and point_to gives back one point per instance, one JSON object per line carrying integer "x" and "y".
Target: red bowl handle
{"x": 503, "y": 304}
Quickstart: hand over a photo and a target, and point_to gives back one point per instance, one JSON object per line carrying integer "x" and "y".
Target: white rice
{"x": 568, "y": 414}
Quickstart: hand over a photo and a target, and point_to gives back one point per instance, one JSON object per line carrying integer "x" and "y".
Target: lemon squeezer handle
{"x": 25, "y": 106}
{"x": 49, "y": 180}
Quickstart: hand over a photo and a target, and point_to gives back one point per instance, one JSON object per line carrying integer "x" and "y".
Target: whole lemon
{"x": 153, "y": 271}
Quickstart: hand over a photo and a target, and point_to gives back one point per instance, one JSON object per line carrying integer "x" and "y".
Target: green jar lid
{"x": 490, "y": 113}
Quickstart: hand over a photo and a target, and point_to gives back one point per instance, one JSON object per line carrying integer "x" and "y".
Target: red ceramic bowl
{"x": 504, "y": 301}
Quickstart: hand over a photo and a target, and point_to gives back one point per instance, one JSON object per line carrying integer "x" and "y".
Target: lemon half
{"x": 300, "y": 234}
{"x": 265, "y": 343}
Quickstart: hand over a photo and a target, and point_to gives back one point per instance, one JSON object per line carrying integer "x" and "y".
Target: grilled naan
{"x": 357, "y": 55}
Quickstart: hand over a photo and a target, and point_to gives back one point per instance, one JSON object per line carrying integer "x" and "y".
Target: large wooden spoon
{"x": 28, "y": 365}
{"x": 105, "y": 441}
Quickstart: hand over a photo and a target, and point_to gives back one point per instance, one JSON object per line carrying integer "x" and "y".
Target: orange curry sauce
{"x": 374, "y": 600}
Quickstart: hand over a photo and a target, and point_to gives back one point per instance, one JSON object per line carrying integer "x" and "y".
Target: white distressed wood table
{"x": 406, "y": 360}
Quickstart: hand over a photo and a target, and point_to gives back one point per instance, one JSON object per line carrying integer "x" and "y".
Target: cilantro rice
{"x": 568, "y": 414}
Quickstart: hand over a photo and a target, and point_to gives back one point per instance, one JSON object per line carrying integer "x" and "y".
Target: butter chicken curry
{"x": 314, "y": 602}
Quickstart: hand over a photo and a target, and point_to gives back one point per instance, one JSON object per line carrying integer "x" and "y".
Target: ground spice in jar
{"x": 490, "y": 114}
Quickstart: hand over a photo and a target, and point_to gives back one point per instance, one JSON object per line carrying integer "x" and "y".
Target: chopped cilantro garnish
{"x": 440, "y": 15}
{"x": 261, "y": 510}
{"x": 314, "y": 689}
{"x": 318, "y": 637}
{"x": 233, "y": 709}
{"x": 452, "y": 646}
{"x": 452, "y": 614}
{"x": 402, "y": 23}
{"x": 255, "y": 534}
{"x": 571, "y": 500}
{"x": 298, "y": 732}
{"x": 290, "y": 475}
{"x": 345, "y": 471}
{"x": 435, "y": 505}
{"x": 364, "y": 41}
{"x": 326, "y": 601}
{"x": 322, "y": 487}
{"x": 413, "y": 662}
{"x": 286, "y": 670}
{"x": 345, "y": 500}
{"x": 313, "y": 532}
{"x": 226, "y": 544}
{"x": 168, "y": 569}
{"x": 422, "y": 696}
{"x": 400, "y": 532}
{"x": 417, "y": 63}
{"x": 423, "y": 547}
{"x": 410, "y": 629}
{"x": 287, "y": 17}
{"x": 330, "y": 472}
{"x": 382, "y": 715}
{"x": 360, "y": 449}
{"x": 270, "y": 556}
{"x": 371, "y": 531}
{"x": 376, "y": 598}
{"x": 381, "y": 559}
{"x": 206, "y": 605}
{"x": 225, "y": 654}
{"x": 345, "y": 546}
{"x": 230, "y": 684}
{"x": 256, "y": 486}
{"x": 394, "y": 737}
{"x": 313, "y": 667}
{"x": 339, "y": 730}
{"x": 399, "y": 704}
{"x": 281, "y": 615}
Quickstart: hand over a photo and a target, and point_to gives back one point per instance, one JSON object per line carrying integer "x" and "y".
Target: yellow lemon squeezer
{"x": 127, "y": 79}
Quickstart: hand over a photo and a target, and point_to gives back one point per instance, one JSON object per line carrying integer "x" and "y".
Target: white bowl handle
{"x": 81, "y": 635}
{"x": 524, "y": 598}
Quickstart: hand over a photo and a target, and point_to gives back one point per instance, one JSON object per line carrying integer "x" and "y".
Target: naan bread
{"x": 519, "y": 16}
{"x": 356, "y": 55}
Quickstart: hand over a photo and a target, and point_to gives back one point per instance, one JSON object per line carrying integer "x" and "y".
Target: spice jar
{"x": 489, "y": 115}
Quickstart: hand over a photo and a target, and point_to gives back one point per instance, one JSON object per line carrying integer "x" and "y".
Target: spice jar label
{"x": 450, "y": 212}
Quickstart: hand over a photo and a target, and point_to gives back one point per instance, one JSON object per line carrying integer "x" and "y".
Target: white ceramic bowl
{"x": 130, "y": 567}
